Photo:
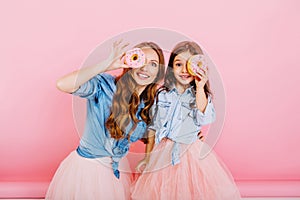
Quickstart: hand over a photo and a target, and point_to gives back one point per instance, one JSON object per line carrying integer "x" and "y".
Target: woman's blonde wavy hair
{"x": 126, "y": 100}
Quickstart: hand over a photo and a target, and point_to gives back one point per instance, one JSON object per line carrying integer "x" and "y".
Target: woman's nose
{"x": 144, "y": 67}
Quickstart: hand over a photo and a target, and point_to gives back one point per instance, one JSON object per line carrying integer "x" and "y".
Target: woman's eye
{"x": 153, "y": 64}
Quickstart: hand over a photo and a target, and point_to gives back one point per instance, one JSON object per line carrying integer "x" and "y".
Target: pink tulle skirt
{"x": 83, "y": 178}
{"x": 195, "y": 177}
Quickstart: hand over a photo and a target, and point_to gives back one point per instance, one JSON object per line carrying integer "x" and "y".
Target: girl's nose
{"x": 184, "y": 69}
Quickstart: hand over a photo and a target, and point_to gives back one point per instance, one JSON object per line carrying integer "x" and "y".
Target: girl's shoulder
{"x": 164, "y": 96}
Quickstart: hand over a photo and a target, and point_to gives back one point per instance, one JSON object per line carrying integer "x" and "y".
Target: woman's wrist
{"x": 104, "y": 66}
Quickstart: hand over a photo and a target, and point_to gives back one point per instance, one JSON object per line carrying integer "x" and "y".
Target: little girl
{"x": 174, "y": 169}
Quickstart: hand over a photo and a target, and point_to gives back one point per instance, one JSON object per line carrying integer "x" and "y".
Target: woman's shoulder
{"x": 106, "y": 80}
{"x": 105, "y": 83}
{"x": 106, "y": 77}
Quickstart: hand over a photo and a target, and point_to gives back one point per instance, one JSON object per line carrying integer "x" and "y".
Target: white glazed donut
{"x": 135, "y": 58}
{"x": 195, "y": 63}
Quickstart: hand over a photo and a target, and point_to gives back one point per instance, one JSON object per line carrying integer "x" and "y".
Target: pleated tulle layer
{"x": 82, "y": 179}
{"x": 195, "y": 177}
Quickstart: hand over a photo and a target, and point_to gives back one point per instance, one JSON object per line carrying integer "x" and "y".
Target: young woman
{"x": 117, "y": 115}
{"x": 174, "y": 169}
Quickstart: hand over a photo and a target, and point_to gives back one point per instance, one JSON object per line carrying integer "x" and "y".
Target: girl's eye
{"x": 178, "y": 64}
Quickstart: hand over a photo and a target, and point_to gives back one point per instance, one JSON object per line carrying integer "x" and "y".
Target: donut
{"x": 196, "y": 63}
{"x": 135, "y": 58}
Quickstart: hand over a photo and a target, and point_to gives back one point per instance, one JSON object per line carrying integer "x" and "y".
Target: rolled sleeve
{"x": 100, "y": 82}
{"x": 209, "y": 115}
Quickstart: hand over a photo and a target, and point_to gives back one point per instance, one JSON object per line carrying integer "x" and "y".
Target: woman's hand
{"x": 142, "y": 164}
{"x": 72, "y": 81}
{"x": 115, "y": 58}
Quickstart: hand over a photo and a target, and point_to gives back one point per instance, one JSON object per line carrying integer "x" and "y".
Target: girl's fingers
{"x": 202, "y": 77}
{"x": 138, "y": 168}
{"x": 201, "y": 73}
{"x": 201, "y": 138}
{"x": 198, "y": 76}
{"x": 203, "y": 70}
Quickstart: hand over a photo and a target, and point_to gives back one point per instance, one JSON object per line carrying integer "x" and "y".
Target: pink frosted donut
{"x": 195, "y": 63}
{"x": 135, "y": 58}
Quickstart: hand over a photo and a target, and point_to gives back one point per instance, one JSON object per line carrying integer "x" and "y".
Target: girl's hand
{"x": 200, "y": 136}
{"x": 201, "y": 78}
{"x": 141, "y": 165}
{"x": 115, "y": 58}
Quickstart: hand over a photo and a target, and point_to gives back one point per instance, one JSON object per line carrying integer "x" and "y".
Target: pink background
{"x": 254, "y": 44}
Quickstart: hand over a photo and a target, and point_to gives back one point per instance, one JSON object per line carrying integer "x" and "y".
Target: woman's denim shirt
{"x": 96, "y": 141}
{"x": 177, "y": 117}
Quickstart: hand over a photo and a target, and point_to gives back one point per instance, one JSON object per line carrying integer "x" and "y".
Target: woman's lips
{"x": 142, "y": 75}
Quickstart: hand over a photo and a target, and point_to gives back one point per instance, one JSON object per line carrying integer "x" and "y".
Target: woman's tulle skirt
{"x": 195, "y": 177}
{"x": 83, "y": 178}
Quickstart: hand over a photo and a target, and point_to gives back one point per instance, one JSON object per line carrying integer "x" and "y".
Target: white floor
{"x": 245, "y": 198}
{"x": 271, "y": 198}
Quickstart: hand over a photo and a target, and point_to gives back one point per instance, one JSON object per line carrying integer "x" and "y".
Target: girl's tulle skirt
{"x": 83, "y": 178}
{"x": 195, "y": 177}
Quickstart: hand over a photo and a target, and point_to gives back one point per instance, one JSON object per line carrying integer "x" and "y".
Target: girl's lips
{"x": 185, "y": 76}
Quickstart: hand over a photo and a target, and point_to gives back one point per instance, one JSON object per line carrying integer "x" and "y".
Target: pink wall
{"x": 254, "y": 44}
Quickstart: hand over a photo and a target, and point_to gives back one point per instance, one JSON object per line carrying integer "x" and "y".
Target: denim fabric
{"x": 176, "y": 117}
{"x": 96, "y": 141}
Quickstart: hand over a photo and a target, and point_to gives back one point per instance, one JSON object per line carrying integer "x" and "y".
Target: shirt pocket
{"x": 162, "y": 109}
{"x": 186, "y": 110}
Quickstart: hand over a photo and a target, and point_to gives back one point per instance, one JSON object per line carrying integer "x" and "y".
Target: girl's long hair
{"x": 181, "y": 47}
{"x": 126, "y": 100}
